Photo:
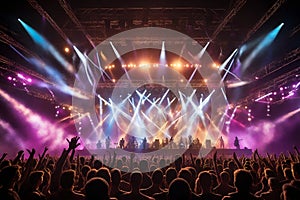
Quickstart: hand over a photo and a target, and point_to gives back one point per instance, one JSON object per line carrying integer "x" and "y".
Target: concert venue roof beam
{"x": 74, "y": 19}
{"x": 268, "y": 14}
{"x": 10, "y": 41}
{"x": 236, "y": 8}
{"x": 42, "y": 12}
{"x": 273, "y": 67}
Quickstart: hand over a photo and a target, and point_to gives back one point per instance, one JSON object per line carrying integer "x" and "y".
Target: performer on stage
{"x": 237, "y": 143}
{"x": 122, "y": 143}
{"x": 190, "y": 139}
{"x": 222, "y": 145}
{"x": 144, "y": 143}
{"x": 99, "y": 144}
{"x": 107, "y": 142}
{"x": 171, "y": 142}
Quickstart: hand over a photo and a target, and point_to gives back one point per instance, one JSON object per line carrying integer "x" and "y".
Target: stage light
{"x": 47, "y": 46}
{"x": 216, "y": 65}
{"x": 162, "y": 58}
{"x": 67, "y": 49}
{"x": 265, "y": 42}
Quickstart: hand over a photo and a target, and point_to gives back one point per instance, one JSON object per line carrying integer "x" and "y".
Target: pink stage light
{"x": 44, "y": 131}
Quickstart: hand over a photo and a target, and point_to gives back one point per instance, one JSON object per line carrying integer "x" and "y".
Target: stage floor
{"x": 203, "y": 152}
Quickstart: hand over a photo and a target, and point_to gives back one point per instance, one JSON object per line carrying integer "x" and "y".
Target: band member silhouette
{"x": 222, "y": 145}
{"x": 237, "y": 143}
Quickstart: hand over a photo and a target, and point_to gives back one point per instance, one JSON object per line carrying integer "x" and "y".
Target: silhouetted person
{"x": 107, "y": 142}
{"x": 122, "y": 143}
{"x": 136, "y": 179}
{"x": 171, "y": 174}
{"x": 144, "y": 143}
{"x": 187, "y": 175}
{"x": 291, "y": 190}
{"x": 179, "y": 190}
{"x": 116, "y": 180}
{"x": 33, "y": 192}
{"x": 204, "y": 182}
{"x": 99, "y": 144}
{"x": 171, "y": 143}
{"x": 224, "y": 188}
{"x": 190, "y": 139}
{"x": 222, "y": 145}
{"x": 157, "y": 179}
{"x": 66, "y": 192}
{"x": 237, "y": 143}
{"x": 242, "y": 183}
{"x": 97, "y": 189}
{"x": 275, "y": 190}
{"x": 9, "y": 176}
{"x": 104, "y": 173}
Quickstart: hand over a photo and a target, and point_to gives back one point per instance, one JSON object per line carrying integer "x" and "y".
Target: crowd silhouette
{"x": 75, "y": 177}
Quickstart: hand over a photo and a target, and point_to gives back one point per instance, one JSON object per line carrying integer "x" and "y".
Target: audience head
{"x": 179, "y": 189}
{"x": 269, "y": 173}
{"x": 296, "y": 170}
{"x": 171, "y": 174}
{"x": 97, "y": 164}
{"x": 36, "y": 178}
{"x": 85, "y": 169}
{"x": 136, "y": 179}
{"x": 242, "y": 180}
{"x": 204, "y": 181}
{"x": 96, "y": 189}
{"x": 288, "y": 173}
{"x": 273, "y": 183}
{"x": 46, "y": 179}
{"x": 178, "y": 163}
{"x": 67, "y": 179}
{"x": 144, "y": 166}
{"x": 91, "y": 174}
{"x": 225, "y": 177}
{"x": 157, "y": 176}
{"x": 186, "y": 175}
{"x": 9, "y": 175}
{"x": 104, "y": 172}
{"x": 115, "y": 176}
{"x": 5, "y": 163}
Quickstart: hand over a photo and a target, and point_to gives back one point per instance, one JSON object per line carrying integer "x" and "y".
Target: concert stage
{"x": 203, "y": 152}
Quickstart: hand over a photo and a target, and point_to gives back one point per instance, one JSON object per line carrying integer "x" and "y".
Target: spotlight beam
{"x": 120, "y": 59}
{"x": 163, "y": 97}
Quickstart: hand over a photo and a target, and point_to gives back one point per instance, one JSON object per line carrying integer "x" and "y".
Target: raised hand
{"x": 32, "y": 152}
{"x": 3, "y": 156}
{"x": 43, "y": 154}
{"x": 73, "y": 144}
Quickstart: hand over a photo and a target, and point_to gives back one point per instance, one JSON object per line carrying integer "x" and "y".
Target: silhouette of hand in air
{"x": 73, "y": 144}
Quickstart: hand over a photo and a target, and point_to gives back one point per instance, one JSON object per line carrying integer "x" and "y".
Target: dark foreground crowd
{"x": 75, "y": 177}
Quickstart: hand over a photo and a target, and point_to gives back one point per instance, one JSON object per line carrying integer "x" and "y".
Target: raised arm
{"x": 297, "y": 153}
{"x": 215, "y": 165}
{"x": 17, "y": 159}
{"x": 3, "y": 157}
{"x": 73, "y": 144}
{"x": 41, "y": 159}
{"x": 237, "y": 162}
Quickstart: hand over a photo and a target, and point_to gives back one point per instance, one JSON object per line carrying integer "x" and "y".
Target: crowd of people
{"x": 75, "y": 177}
